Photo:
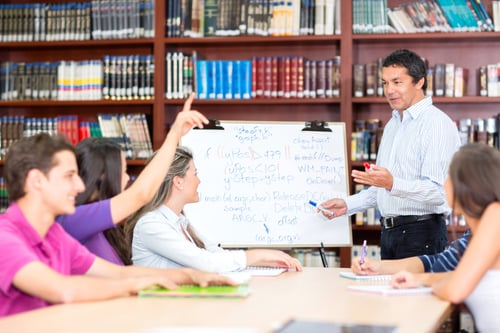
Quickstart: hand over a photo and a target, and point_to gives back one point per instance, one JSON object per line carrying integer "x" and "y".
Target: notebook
{"x": 301, "y": 326}
{"x": 264, "y": 271}
{"x": 386, "y": 289}
{"x": 352, "y": 276}
{"x": 239, "y": 291}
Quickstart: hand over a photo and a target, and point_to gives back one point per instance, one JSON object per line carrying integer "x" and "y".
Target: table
{"x": 315, "y": 294}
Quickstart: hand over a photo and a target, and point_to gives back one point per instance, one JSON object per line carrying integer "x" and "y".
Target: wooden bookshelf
{"x": 469, "y": 50}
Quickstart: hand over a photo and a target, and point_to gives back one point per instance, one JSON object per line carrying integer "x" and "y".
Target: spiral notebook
{"x": 352, "y": 276}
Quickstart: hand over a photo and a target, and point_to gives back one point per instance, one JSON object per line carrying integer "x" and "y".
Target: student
{"x": 104, "y": 204}
{"x": 443, "y": 261}
{"x": 412, "y": 162}
{"x": 162, "y": 236}
{"x": 42, "y": 264}
{"x": 472, "y": 188}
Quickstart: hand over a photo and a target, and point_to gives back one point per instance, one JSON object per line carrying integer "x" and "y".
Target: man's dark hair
{"x": 413, "y": 63}
{"x": 34, "y": 152}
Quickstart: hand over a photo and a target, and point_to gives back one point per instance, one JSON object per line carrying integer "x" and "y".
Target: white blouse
{"x": 484, "y": 302}
{"x": 159, "y": 241}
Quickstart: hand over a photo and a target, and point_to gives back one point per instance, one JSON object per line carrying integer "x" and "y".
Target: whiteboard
{"x": 257, "y": 179}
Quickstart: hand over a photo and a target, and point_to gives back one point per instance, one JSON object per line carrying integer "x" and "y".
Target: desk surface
{"x": 315, "y": 294}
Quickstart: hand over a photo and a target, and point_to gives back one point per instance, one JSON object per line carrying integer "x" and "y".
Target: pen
{"x": 367, "y": 165}
{"x": 363, "y": 253}
{"x": 314, "y": 204}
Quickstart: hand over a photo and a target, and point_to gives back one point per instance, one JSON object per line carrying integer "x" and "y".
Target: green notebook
{"x": 239, "y": 291}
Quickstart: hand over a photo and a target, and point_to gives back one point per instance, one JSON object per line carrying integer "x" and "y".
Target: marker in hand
{"x": 363, "y": 253}
{"x": 314, "y": 204}
{"x": 367, "y": 166}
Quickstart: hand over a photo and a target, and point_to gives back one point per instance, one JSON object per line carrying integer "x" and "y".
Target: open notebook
{"x": 239, "y": 291}
{"x": 264, "y": 271}
{"x": 386, "y": 289}
{"x": 352, "y": 276}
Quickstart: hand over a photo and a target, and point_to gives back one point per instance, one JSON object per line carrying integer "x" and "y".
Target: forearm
{"x": 149, "y": 180}
{"x": 179, "y": 276}
{"x": 413, "y": 265}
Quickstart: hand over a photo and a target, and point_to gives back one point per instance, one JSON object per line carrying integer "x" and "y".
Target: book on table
{"x": 238, "y": 291}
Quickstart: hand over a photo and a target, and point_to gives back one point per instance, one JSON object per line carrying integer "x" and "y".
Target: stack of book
{"x": 252, "y": 17}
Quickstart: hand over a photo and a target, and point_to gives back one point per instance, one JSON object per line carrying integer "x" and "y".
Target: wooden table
{"x": 315, "y": 294}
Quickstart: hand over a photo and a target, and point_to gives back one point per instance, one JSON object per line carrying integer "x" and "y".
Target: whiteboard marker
{"x": 314, "y": 204}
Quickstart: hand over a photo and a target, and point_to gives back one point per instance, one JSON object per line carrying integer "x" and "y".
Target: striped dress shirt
{"x": 417, "y": 151}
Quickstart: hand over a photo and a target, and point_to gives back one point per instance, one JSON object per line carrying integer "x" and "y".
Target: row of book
{"x": 98, "y": 19}
{"x": 119, "y": 19}
{"x": 365, "y": 139}
{"x": 260, "y": 77}
{"x": 373, "y": 16}
{"x": 443, "y": 79}
{"x": 312, "y": 258}
{"x": 131, "y": 131}
{"x": 204, "y": 18}
{"x": 115, "y": 77}
{"x": 480, "y": 130}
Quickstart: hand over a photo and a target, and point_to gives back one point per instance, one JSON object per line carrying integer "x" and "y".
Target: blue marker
{"x": 314, "y": 204}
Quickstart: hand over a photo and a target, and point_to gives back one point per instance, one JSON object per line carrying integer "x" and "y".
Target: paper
{"x": 239, "y": 291}
{"x": 264, "y": 271}
{"x": 301, "y": 326}
{"x": 386, "y": 289}
{"x": 352, "y": 276}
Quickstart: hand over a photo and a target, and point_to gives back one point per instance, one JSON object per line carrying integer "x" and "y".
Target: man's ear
{"x": 34, "y": 180}
{"x": 420, "y": 83}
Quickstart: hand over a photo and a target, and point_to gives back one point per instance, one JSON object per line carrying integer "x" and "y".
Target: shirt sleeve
{"x": 361, "y": 201}
{"x": 163, "y": 240}
{"x": 14, "y": 255}
{"x": 88, "y": 220}
{"x": 447, "y": 260}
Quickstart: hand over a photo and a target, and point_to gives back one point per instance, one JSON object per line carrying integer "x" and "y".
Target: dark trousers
{"x": 414, "y": 239}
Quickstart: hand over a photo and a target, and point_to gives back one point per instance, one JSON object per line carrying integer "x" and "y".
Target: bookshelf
{"x": 467, "y": 49}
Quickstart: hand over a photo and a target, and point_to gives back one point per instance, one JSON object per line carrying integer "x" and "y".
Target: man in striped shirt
{"x": 406, "y": 183}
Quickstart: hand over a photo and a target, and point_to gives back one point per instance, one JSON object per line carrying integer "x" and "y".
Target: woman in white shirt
{"x": 472, "y": 190}
{"x": 161, "y": 236}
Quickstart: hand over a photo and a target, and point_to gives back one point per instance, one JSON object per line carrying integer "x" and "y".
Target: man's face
{"x": 399, "y": 89}
{"x": 62, "y": 184}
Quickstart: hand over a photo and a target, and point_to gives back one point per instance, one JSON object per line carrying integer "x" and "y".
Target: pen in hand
{"x": 314, "y": 204}
{"x": 363, "y": 253}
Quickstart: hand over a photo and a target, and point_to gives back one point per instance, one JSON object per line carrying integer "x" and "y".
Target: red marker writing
{"x": 367, "y": 165}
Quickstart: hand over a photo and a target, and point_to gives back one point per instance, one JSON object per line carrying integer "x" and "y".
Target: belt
{"x": 395, "y": 221}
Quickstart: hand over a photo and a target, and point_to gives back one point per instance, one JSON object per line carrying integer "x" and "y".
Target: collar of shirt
{"x": 415, "y": 110}
{"x": 180, "y": 222}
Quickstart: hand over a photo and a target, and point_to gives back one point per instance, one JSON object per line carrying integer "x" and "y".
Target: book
{"x": 239, "y": 291}
{"x": 385, "y": 289}
{"x": 352, "y": 276}
{"x": 300, "y": 326}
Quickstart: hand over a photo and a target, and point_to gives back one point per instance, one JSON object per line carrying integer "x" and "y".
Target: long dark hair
{"x": 475, "y": 177}
{"x": 99, "y": 165}
{"x": 179, "y": 167}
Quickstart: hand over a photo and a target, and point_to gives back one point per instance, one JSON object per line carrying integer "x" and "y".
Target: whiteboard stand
{"x": 323, "y": 255}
